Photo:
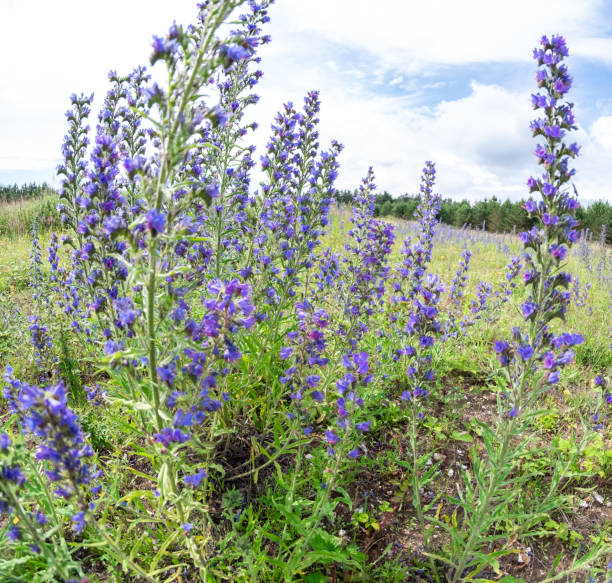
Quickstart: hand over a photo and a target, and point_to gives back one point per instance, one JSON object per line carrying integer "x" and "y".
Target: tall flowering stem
{"x": 533, "y": 357}
{"x": 418, "y": 255}
{"x": 460, "y": 280}
{"x": 422, "y": 327}
{"x": 39, "y": 335}
{"x": 414, "y": 299}
{"x": 547, "y": 243}
{"x": 222, "y": 172}
{"x": 27, "y": 524}
{"x": 304, "y": 352}
{"x": 37, "y": 280}
{"x": 74, "y": 167}
{"x": 45, "y": 414}
{"x": 366, "y": 263}
{"x": 293, "y": 208}
{"x": 415, "y": 321}
{"x": 457, "y": 292}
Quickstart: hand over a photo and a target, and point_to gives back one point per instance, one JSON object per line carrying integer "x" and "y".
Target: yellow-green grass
{"x": 17, "y": 217}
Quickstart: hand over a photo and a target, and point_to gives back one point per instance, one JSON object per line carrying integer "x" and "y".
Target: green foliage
{"x": 369, "y": 520}
{"x": 15, "y": 192}
{"x": 563, "y": 532}
{"x": 595, "y": 458}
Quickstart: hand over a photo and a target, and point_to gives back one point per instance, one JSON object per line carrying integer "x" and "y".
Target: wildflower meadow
{"x": 213, "y": 371}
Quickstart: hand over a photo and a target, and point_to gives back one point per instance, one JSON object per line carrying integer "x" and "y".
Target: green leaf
{"x": 293, "y": 519}
{"x": 462, "y": 436}
{"x": 325, "y": 557}
{"x": 317, "y": 577}
{"x": 324, "y": 541}
{"x": 345, "y": 496}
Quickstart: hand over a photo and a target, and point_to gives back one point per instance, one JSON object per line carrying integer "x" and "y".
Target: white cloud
{"x": 594, "y": 165}
{"x": 594, "y": 48}
{"x": 481, "y": 142}
{"x": 601, "y": 132}
{"x": 411, "y": 35}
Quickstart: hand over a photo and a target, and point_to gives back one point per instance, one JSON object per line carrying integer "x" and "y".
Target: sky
{"x": 401, "y": 82}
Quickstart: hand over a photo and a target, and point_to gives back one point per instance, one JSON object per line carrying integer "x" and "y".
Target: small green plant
{"x": 594, "y": 458}
{"x": 548, "y": 422}
{"x": 369, "y": 520}
{"x": 563, "y": 532}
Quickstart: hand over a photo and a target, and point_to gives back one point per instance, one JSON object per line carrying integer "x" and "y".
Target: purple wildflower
{"x": 195, "y": 479}
{"x": 155, "y": 221}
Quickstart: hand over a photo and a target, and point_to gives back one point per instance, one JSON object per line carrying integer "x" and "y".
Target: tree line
{"x": 15, "y": 192}
{"x": 491, "y": 214}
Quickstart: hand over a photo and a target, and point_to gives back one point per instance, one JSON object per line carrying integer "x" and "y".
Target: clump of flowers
{"x": 211, "y": 313}
{"x": 488, "y": 301}
{"x": 67, "y": 463}
{"x": 604, "y": 383}
{"x": 479, "y": 305}
{"x": 305, "y": 350}
{"x": 457, "y": 292}
{"x": 153, "y": 226}
{"x": 580, "y": 293}
{"x": 509, "y": 284}
{"x": 43, "y": 345}
{"x": 294, "y": 206}
{"x": 460, "y": 279}
{"x": 45, "y": 414}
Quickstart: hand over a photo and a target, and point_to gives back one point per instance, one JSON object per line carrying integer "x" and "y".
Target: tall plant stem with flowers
{"x": 297, "y": 554}
{"x": 172, "y": 153}
{"x": 173, "y": 150}
{"x": 160, "y": 237}
{"x": 349, "y": 404}
{"x": 44, "y": 413}
{"x": 317, "y": 513}
{"x": 531, "y": 360}
{"x": 414, "y": 317}
{"x": 418, "y": 479}
{"x": 422, "y": 325}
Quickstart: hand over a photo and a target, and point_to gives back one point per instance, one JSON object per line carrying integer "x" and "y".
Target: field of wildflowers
{"x": 209, "y": 377}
